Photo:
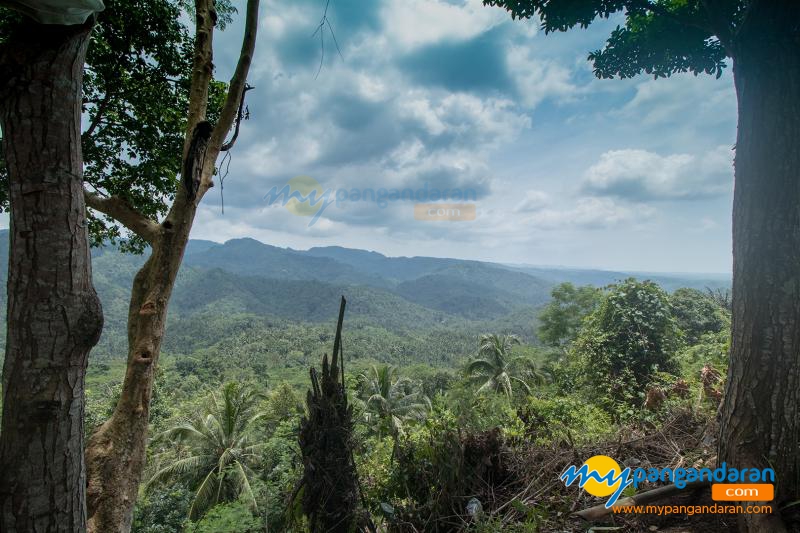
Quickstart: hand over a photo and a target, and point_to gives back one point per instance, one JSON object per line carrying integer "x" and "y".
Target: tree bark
{"x": 116, "y": 452}
{"x": 760, "y": 427}
{"x": 54, "y": 315}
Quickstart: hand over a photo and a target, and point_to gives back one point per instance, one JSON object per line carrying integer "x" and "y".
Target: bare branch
{"x": 122, "y": 212}
{"x": 228, "y": 145}
{"x": 236, "y": 88}
{"x": 100, "y": 111}
{"x": 325, "y": 21}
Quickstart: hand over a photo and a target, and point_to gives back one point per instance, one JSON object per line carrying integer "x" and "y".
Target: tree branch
{"x": 228, "y": 145}
{"x": 599, "y": 511}
{"x": 202, "y": 66}
{"x": 122, "y": 212}
{"x": 238, "y": 82}
{"x": 100, "y": 111}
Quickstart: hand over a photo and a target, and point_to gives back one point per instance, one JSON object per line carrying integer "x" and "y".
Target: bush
{"x": 227, "y": 518}
{"x": 162, "y": 511}
{"x": 565, "y": 417}
{"x": 630, "y": 337}
{"x": 697, "y": 314}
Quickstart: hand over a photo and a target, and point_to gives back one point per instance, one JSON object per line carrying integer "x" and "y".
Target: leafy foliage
{"x": 626, "y": 340}
{"x": 562, "y": 317}
{"x": 499, "y": 368}
{"x": 234, "y": 517}
{"x": 698, "y": 313}
{"x": 391, "y": 401}
{"x": 215, "y": 451}
{"x": 660, "y": 37}
{"x": 565, "y": 419}
{"x": 162, "y": 511}
{"x": 135, "y": 96}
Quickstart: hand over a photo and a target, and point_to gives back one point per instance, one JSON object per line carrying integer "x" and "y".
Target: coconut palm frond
{"x": 221, "y": 449}
{"x": 204, "y": 496}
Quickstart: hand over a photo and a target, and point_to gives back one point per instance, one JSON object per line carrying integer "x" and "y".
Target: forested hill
{"x": 243, "y": 292}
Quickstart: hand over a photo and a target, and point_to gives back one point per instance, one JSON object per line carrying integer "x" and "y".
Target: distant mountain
{"x": 248, "y": 284}
{"x": 601, "y": 278}
{"x": 392, "y": 268}
{"x": 253, "y": 258}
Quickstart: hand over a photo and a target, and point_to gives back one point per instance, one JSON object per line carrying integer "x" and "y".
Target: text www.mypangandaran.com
{"x": 692, "y": 509}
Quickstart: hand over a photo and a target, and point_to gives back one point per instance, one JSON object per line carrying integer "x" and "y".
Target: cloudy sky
{"x": 568, "y": 169}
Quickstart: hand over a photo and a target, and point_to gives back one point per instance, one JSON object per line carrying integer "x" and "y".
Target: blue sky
{"x": 570, "y": 170}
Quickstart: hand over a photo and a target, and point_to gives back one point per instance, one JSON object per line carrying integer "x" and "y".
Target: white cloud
{"x": 590, "y": 213}
{"x": 664, "y": 101}
{"x": 368, "y": 121}
{"x": 642, "y": 175}
{"x": 537, "y": 78}
{"x": 414, "y": 23}
{"x": 533, "y": 201}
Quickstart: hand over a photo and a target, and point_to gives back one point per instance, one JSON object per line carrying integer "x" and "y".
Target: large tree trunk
{"x": 760, "y": 418}
{"x": 54, "y": 315}
{"x": 116, "y": 452}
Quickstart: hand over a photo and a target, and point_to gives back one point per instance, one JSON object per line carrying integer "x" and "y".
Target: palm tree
{"x": 216, "y": 451}
{"x": 392, "y": 400}
{"x": 496, "y": 367}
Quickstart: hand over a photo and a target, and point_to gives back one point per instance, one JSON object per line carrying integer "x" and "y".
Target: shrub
{"x": 631, "y": 336}
{"x": 565, "y": 417}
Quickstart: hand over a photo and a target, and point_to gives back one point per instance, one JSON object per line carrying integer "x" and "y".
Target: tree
{"x": 135, "y": 94}
{"x": 697, "y": 313}
{"x": 561, "y": 318}
{"x": 630, "y": 337}
{"x": 116, "y": 452}
{"x": 498, "y": 368}
{"x": 220, "y": 451}
{"x": 54, "y": 315}
{"x": 759, "y": 426}
{"x": 283, "y": 404}
{"x": 392, "y": 401}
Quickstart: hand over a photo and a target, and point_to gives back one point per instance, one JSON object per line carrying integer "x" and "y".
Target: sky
{"x": 449, "y": 94}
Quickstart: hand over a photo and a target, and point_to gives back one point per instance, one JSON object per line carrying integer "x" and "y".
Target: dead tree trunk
{"x": 330, "y": 483}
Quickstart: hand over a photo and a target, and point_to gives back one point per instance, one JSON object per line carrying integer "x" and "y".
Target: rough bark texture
{"x": 115, "y": 454}
{"x": 54, "y": 315}
{"x": 760, "y": 425}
